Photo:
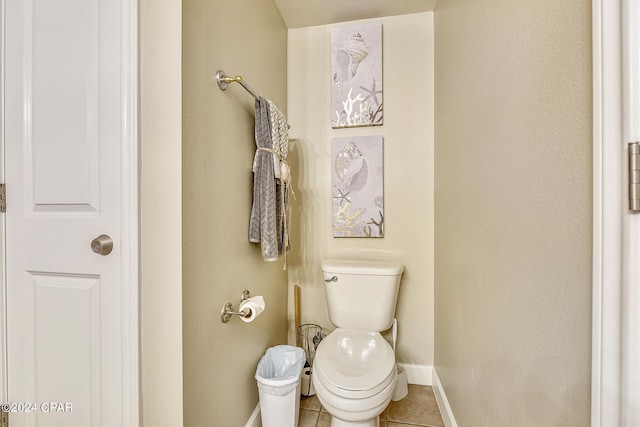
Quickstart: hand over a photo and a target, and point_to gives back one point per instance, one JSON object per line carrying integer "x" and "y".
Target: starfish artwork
{"x": 375, "y": 116}
{"x": 356, "y": 62}
{"x": 342, "y": 197}
{"x": 373, "y": 93}
{"x": 357, "y": 179}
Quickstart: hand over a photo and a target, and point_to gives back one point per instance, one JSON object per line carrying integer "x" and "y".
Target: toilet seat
{"x": 354, "y": 364}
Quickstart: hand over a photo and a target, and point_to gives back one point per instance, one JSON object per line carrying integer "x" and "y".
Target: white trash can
{"x": 278, "y": 376}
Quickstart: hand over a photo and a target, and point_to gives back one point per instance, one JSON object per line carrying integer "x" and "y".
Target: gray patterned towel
{"x": 265, "y": 211}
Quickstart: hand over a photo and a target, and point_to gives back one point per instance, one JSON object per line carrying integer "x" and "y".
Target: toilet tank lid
{"x": 379, "y": 268}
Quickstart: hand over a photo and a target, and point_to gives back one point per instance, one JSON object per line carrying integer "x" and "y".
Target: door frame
{"x": 130, "y": 231}
{"x": 615, "y": 348}
{"x": 3, "y": 270}
{"x": 130, "y": 215}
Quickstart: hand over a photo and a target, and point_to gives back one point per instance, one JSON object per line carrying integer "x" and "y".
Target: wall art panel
{"x": 356, "y": 69}
{"x": 358, "y": 202}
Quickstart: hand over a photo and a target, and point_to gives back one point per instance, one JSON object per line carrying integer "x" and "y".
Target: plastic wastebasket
{"x": 278, "y": 377}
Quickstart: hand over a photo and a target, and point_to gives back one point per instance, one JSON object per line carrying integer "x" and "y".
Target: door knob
{"x": 102, "y": 245}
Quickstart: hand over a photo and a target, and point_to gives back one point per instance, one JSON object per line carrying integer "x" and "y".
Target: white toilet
{"x": 354, "y": 370}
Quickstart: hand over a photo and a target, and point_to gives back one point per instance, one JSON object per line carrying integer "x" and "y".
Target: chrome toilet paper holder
{"x": 227, "y": 308}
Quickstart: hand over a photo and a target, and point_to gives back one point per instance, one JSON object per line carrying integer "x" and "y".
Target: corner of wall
{"x": 161, "y": 231}
{"x": 443, "y": 403}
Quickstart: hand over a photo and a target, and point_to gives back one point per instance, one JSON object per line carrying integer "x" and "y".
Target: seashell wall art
{"x": 356, "y": 70}
{"x": 358, "y": 203}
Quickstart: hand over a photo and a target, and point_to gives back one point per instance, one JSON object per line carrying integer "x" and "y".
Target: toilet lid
{"x": 354, "y": 360}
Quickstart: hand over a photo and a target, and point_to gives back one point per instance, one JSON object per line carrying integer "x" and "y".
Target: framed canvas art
{"x": 356, "y": 70}
{"x": 357, "y": 179}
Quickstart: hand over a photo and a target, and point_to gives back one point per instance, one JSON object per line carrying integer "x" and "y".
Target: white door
{"x": 69, "y": 136}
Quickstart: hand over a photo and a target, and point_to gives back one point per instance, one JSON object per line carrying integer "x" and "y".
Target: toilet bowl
{"x": 354, "y": 370}
{"x": 354, "y": 376}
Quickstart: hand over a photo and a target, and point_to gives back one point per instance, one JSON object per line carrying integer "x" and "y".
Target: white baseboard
{"x": 254, "y": 419}
{"x": 418, "y": 374}
{"x": 443, "y": 404}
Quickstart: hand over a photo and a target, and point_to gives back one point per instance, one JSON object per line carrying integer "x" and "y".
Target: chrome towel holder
{"x": 223, "y": 81}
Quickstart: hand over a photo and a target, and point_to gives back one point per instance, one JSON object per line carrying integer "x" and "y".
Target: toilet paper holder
{"x": 227, "y": 308}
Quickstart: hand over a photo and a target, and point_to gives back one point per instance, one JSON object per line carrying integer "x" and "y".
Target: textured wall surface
{"x": 408, "y": 173}
{"x": 513, "y": 211}
{"x": 250, "y": 39}
{"x": 160, "y": 222}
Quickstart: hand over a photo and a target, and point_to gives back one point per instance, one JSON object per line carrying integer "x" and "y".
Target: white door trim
{"x": 607, "y": 213}
{"x": 130, "y": 216}
{"x": 3, "y": 275}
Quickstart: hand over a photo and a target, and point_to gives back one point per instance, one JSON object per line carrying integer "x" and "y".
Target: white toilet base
{"x": 337, "y": 422}
{"x": 358, "y": 412}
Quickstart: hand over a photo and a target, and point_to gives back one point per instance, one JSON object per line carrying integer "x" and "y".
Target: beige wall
{"x": 408, "y": 173}
{"x": 160, "y": 224}
{"x": 250, "y": 39}
{"x": 513, "y": 211}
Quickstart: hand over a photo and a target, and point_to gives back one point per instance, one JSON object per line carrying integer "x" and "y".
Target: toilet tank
{"x": 361, "y": 294}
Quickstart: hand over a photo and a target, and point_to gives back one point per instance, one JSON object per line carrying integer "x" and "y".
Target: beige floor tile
{"x": 324, "y": 420}
{"x": 310, "y": 402}
{"x": 419, "y": 407}
{"x": 383, "y": 415}
{"x": 308, "y": 418}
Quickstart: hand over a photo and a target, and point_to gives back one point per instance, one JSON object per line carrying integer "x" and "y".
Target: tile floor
{"x": 419, "y": 408}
